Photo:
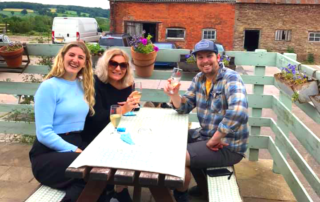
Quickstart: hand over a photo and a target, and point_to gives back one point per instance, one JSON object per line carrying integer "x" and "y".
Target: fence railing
{"x": 286, "y": 123}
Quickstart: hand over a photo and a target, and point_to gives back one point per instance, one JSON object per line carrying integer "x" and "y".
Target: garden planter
{"x": 144, "y": 63}
{"x": 188, "y": 67}
{"x": 304, "y": 90}
{"x": 315, "y": 99}
{"x": 12, "y": 58}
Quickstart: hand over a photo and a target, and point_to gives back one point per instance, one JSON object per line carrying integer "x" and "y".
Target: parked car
{"x": 165, "y": 45}
{"x": 4, "y": 38}
{"x": 115, "y": 40}
{"x": 67, "y": 29}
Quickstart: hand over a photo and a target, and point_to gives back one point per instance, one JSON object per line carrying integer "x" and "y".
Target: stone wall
{"x": 270, "y": 17}
{"x": 191, "y": 16}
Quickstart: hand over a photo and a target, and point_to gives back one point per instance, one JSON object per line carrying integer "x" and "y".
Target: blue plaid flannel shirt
{"x": 225, "y": 108}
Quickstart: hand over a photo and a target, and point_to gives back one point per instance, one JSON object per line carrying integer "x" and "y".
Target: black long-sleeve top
{"x": 106, "y": 95}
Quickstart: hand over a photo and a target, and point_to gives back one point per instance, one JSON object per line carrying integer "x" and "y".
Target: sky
{"x": 85, "y": 3}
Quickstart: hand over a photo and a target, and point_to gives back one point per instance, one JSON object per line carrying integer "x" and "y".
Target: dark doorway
{"x": 150, "y": 28}
{"x": 251, "y": 40}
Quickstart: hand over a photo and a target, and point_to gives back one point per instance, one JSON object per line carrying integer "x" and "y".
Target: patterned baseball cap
{"x": 205, "y": 45}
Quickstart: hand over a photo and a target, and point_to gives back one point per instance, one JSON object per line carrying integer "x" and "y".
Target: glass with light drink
{"x": 115, "y": 116}
{"x": 175, "y": 77}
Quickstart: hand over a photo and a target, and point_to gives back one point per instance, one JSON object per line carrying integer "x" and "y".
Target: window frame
{"x": 286, "y": 32}
{"x": 176, "y": 38}
{"x": 314, "y": 32}
{"x": 215, "y": 34}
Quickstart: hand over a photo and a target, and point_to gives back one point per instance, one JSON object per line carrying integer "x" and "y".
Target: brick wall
{"x": 192, "y": 16}
{"x": 268, "y": 18}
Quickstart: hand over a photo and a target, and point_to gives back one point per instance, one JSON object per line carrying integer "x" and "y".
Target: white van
{"x": 67, "y": 29}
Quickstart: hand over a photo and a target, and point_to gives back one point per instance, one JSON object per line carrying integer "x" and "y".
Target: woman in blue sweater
{"x": 62, "y": 103}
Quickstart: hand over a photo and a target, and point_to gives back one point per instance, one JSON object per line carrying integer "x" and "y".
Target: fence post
{"x": 286, "y": 101}
{"x": 257, "y": 112}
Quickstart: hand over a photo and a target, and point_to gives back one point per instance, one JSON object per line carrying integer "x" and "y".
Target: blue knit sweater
{"x": 59, "y": 108}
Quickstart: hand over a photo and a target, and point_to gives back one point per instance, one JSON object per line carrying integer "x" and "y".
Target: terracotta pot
{"x": 304, "y": 90}
{"x": 13, "y": 58}
{"x": 144, "y": 63}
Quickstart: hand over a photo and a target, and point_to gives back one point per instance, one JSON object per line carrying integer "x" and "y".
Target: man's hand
{"x": 171, "y": 90}
{"x": 78, "y": 150}
{"x": 215, "y": 142}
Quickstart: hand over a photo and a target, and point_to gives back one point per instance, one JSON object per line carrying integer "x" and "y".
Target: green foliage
{"x": 310, "y": 58}
{"x": 95, "y": 49}
{"x": 104, "y": 23}
{"x": 24, "y": 12}
{"x": 143, "y": 45}
{"x": 28, "y": 139}
{"x": 13, "y": 46}
{"x": 26, "y": 115}
{"x": 290, "y": 49}
{"x": 295, "y": 97}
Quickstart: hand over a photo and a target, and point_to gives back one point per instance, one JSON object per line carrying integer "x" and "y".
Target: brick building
{"x": 183, "y": 22}
{"x": 278, "y": 26}
{"x": 275, "y": 25}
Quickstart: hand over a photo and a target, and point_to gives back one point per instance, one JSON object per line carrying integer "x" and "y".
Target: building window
{"x": 209, "y": 34}
{"x": 175, "y": 33}
{"x": 314, "y": 36}
{"x": 283, "y": 35}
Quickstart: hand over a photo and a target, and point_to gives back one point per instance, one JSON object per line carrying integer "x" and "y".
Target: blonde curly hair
{"x": 85, "y": 74}
{"x": 103, "y": 65}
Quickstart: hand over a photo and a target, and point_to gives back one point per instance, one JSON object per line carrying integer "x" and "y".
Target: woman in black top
{"x": 113, "y": 85}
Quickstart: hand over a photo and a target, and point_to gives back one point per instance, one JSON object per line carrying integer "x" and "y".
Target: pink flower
{"x": 144, "y": 41}
{"x": 155, "y": 48}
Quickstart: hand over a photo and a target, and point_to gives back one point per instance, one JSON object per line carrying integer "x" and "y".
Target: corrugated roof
{"x": 280, "y": 1}
{"x": 174, "y": 1}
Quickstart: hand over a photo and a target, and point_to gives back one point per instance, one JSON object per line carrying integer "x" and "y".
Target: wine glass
{"x": 115, "y": 116}
{"x": 137, "y": 88}
{"x": 175, "y": 77}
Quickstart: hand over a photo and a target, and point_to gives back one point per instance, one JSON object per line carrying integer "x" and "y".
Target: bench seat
{"x": 221, "y": 189}
{"x": 46, "y": 194}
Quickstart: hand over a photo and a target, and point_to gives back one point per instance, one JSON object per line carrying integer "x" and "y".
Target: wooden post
{"x": 257, "y": 112}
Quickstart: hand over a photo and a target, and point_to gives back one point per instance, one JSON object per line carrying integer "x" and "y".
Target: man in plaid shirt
{"x": 219, "y": 95}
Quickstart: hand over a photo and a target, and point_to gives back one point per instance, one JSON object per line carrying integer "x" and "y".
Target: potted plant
{"x": 12, "y": 53}
{"x": 143, "y": 54}
{"x": 96, "y": 51}
{"x": 189, "y": 64}
{"x": 296, "y": 84}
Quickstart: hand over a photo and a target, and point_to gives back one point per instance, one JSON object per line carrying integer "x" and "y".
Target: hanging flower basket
{"x": 12, "y": 54}
{"x": 315, "y": 99}
{"x": 296, "y": 84}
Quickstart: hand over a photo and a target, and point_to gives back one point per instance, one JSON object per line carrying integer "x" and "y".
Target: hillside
{"x": 9, "y": 9}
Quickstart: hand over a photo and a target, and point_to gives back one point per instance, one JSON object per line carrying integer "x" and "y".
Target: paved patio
{"x": 256, "y": 181}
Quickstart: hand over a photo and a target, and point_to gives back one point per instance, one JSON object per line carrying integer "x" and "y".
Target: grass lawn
{"x": 18, "y": 14}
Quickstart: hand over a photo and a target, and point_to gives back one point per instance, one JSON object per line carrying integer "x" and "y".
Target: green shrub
{"x": 290, "y": 50}
{"x": 310, "y": 58}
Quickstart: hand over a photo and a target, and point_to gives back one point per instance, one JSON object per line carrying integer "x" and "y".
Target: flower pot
{"x": 315, "y": 99}
{"x": 304, "y": 90}
{"x": 144, "y": 63}
{"x": 188, "y": 67}
{"x": 12, "y": 58}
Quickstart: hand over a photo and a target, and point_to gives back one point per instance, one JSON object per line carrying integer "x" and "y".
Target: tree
{"x": 12, "y": 12}
{"x": 24, "y": 12}
{"x": 78, "y": 13}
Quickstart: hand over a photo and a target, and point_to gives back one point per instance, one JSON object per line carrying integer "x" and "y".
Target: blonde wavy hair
{"x": 103, "y": 65}
{"x": 85, "y": 74}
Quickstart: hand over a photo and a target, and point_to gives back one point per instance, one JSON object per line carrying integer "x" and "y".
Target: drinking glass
{"x": 115, "y": 116}
{"x": 175, "y": 77}
{"x": 137, "y": 86}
